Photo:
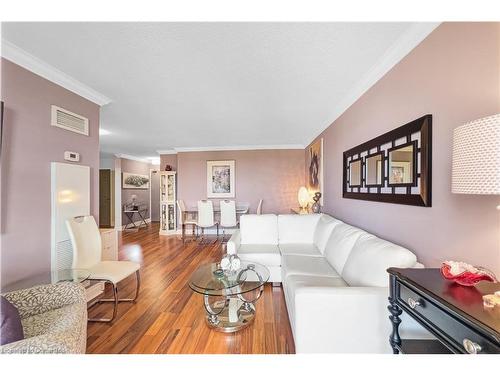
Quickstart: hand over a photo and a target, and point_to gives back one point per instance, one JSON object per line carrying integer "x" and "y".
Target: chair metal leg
{"x": 116, "y": 300}
{"x": 137, "y": 287}
{"x": 115, "y": 307}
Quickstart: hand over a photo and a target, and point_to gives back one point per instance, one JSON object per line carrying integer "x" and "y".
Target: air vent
{"x": 67, "y": 120}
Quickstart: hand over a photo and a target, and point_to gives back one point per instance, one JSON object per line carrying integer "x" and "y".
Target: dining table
{"x": 191, "y": 212}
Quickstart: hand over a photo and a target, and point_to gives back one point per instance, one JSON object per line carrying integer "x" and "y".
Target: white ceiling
{"x": 216, "y": 85}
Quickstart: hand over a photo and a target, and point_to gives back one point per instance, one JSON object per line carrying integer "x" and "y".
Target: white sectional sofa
{"x": 334, "y": 279}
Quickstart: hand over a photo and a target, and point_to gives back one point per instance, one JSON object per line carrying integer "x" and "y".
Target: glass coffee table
{"x": 235, "y": 309}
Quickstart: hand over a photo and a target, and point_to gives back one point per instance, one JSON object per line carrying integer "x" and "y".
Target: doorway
{"x": 106, "y": 198}
{"x": 155, "y": 195}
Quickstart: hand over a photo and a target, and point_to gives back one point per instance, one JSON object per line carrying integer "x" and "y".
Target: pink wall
{"x": 139, "y": 167}
{"x": 30, "y": 144}
{"x": 272, "y": 175}
{"x": 454, "y": 75}
{"x": 170, "y": 160}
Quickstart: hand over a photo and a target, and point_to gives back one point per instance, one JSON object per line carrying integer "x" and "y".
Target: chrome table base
{"x": 229, "y": 315}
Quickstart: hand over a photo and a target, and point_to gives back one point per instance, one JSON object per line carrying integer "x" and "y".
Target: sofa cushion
{"x": 297, "y": 228}
{"x": 323, "y": 231}
{"x": 340, "y": 244}
{"x": 371, "y": 257}
{"x": 259, "y": 229}
{"x": 268, "y": 255}
{"x": 293, "y": 283}
{"x": 10, "y": 323}
{"x": 305, "y": 249}
{"x": 306, "y": 265}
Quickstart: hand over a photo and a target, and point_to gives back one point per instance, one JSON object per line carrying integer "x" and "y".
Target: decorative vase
{"x": 316, "y": 207}
{"x": 168, "y": 167}
{"x": 465, "y": 274}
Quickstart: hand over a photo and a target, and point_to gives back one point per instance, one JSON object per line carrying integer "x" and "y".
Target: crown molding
{"x": 32, "y": 63}
{"x": 166, "y": 152}
{"x": 402, "y": 47}
{"x": 240, "y": 148}
{"x": 135, "y": 158}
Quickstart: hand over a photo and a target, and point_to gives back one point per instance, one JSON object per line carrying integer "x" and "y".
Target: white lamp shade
{"x": 303, "y": 197}
{"x": 476, "y": 157}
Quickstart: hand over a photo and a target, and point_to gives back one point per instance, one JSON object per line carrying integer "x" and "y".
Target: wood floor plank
{"x": 168, "y": 317}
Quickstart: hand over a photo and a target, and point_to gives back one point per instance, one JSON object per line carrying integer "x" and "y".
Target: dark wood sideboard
{"x": 454, "y": 314}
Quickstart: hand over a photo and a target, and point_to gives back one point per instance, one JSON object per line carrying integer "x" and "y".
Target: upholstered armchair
{"x": 54, "y": 319}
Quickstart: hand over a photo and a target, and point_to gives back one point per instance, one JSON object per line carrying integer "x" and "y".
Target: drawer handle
{"x": 413, "y": 303}
{"x": 471, "y": 347}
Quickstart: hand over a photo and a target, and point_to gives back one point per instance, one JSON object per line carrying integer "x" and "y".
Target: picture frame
{"x": 220, "y": 179}
{"x": 135, "y": 181}
{"x": 315, "y": 165}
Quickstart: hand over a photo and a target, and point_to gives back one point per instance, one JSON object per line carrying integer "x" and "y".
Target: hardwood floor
{"x": 170, "y": 318}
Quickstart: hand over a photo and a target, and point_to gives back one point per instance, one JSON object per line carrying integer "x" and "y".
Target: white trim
{"x": 166, "y": 152}
{"x": 402, "y": 47}
{"x": 20, "y": 57}
{"x": 131, "y": 157}
{"x": 240, "y": 148}
{"x": 118, "y": 193}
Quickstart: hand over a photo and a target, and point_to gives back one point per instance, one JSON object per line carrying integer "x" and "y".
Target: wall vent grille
{"x": 63, "y": 257}
{"x": 67, "y": 120}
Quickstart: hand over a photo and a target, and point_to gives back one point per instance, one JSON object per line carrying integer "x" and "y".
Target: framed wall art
{"x": 135, "y": 181}
{"x": 220, "y": 179}
{"x": 315, "y": 168}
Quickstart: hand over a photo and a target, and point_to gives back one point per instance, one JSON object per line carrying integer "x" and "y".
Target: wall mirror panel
{"x": 394, "y": 167}
{"x": 374, "y": 169}
{"x": 355, "y": 173}
{"x": 402, "y": 164}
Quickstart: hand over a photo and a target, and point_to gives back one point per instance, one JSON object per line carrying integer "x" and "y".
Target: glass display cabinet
{"x": 168, "y": 200}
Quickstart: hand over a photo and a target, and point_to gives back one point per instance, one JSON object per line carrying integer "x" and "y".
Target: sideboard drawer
{"x": 464, "y": 338}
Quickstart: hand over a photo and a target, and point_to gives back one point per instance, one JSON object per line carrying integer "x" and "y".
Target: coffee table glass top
{"x": 209, "y": 279}
{"x": 54, "y": 277}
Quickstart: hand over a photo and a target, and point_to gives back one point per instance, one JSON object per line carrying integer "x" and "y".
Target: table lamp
{"x": 476, "y": 165}
{"x": 303, "y": 197}
{"x": 476, "y": 157}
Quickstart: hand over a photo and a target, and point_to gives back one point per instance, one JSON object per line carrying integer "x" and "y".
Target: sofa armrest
{"x": 234, "y": 242}
{"x": 43, "y": 344}
{"x": 343, "y": 320}
{"x": 43, "y": 298}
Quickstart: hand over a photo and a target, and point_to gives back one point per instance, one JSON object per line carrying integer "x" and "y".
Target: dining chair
{"x": 259, "y": 208}
{"x": 183, "y": 221}
{"x": 206, "y": 217}
{"x": 227, "y": 216}
{"x": 87, "y": 254}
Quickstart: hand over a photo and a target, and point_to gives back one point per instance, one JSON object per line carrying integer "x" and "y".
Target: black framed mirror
{"x": 395, "y": 167}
